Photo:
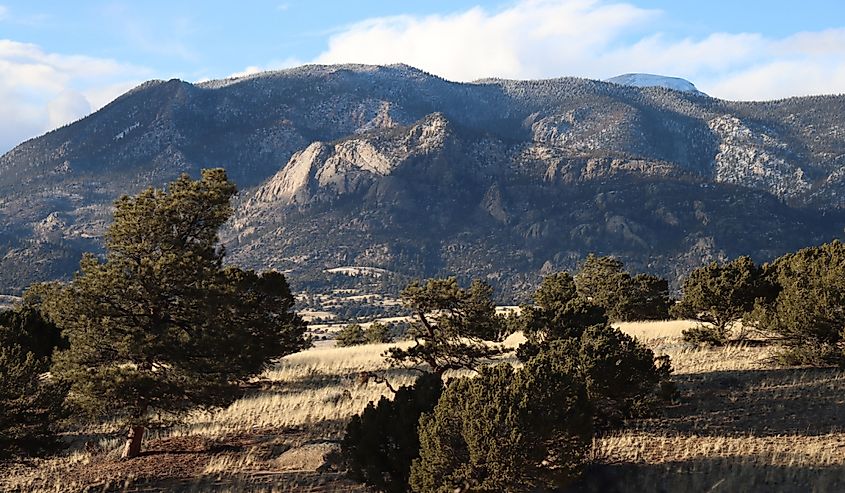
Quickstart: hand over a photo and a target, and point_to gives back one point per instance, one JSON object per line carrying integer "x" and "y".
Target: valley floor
{"x": 740, "y": 424}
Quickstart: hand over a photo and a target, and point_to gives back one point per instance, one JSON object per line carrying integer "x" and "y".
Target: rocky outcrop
{"x": 390, "y": 167}
{"x": 755, "y": 159}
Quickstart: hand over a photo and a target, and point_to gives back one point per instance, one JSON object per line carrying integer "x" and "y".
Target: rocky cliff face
{"x": 393, "y": 168}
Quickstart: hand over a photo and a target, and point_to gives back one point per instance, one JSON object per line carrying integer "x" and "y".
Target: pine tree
{"x": 719, "y": 295}
{"x": 378, "y": 333}
{"x": 160, "y": 326}
{"x": 30, "y": 405}
{"x": 350, "y": 335}
{"x": 453, "y": 327}
{"x": 505, "y": 430}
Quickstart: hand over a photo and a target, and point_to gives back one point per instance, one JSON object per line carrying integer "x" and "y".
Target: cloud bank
{"x": 40, "y": 91}
{"x": 589, "y": 38}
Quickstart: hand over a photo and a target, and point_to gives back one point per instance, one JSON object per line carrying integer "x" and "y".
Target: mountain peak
{"x": 396, "y": 70}
{"x": 651, "y": 80}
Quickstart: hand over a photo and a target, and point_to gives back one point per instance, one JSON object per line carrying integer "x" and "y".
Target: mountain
{"x": 392, "y": 168}
{"x": 651, "y": 80}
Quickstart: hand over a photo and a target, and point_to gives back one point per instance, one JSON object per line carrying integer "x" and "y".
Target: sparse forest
{"x": 158, "y": 336}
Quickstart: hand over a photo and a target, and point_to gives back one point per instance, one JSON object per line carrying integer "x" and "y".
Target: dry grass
{"x": 655, "y": 329}
{"x": 316, "y": 386}
{"x": 739, "y": 425}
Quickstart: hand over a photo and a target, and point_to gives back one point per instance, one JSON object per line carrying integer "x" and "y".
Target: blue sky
{"x": 62, "y": 60}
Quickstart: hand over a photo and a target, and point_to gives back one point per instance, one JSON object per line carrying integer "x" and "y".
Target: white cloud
{"x": 274, "y": 65}
{"x": 533, "y": 38}
{"x": 4, "y": 12}
{"x": 596, "y": 39}
{"x": 40, "y": 91}
{"x": 800, "y": 64}
{"x": 67, "y": 107}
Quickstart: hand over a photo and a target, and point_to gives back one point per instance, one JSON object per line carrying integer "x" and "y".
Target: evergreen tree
{"x": 719, "y": 295}
{"x": 649, "y": 298}
{"x": 350, "y": 335}
{"x": 558, "y": 313}
{"x": 505, "y": 430}
{"x": 160, "y": 327}
{"x": 604, "y": 282}
{"x": 378, "y": 333}
{"x": 382, "y": 441}
{"x": 30, "y": 405}
{"x": 807, "y": 316}
{"x": 452, "y": 328}
{"x": 24, "y": 326}
{"x": 620, "y": 372}
{"x": 622, "y": 376}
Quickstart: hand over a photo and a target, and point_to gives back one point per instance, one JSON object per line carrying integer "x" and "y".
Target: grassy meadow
{"x": 740, "y": 424}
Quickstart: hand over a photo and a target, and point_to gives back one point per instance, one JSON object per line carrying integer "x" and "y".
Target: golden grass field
{"x": 740, "y": 424}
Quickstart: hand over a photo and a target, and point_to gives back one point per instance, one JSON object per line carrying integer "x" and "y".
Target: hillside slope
{"x": 394, "y": 168}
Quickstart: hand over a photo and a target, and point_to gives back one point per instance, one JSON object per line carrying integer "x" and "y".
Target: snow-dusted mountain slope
{"x": 651, "y": 80}
{"x": 393, "y": 168}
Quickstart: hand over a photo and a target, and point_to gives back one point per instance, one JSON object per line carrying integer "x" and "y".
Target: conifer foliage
{"x": 159, "y": 325}
{"x": 381, "y": 442}
{"x": 718, "y": 295}
{"x": 453, "y": 327}
{"x": 30, "y": 405}
{"x": 605, "y": 282}
{"x": 505, "y": 430}
{"x": 350, "y": 335}
{"x": 807, "y": 316}
{"x": 26, "y": 327}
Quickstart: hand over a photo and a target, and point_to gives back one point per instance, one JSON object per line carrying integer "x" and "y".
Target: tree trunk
{"x": 133, "y": 442}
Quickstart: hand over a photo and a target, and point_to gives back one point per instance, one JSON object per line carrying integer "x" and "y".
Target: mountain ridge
{"x": 642, "y": 173}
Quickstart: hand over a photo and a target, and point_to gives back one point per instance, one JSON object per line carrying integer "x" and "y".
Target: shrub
{"x": 382, "y": 441}
{"x": 25, "y": 327}
{"x": 29, "y": 405}
{"x": 649, "y": 298}
{"x": 719, "y": 295}
{"x": 605, "y": 282}
{"x": 377, "y": 333}
{"x": 620, "y": 374}
{"x": 703, "y": 335}
{"x": 807, "y": 314}
{"x": 558, "y": 313}
{"x": 505, "y": 430}
{"x": 350, "y": 335}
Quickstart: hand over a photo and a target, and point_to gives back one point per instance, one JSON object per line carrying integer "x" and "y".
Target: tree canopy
{"x": 350, "y": 335}
{"x": 505, "y": 430}
{"x": 452, "y": 327}
{"x": 720, "y": 295}
{"x": 160, "y": 324}
{"x": 808, "y": 313}
{"x": 605, "y": 282}
{"x": 25, "y": 327}
{"x": 558, "y": 313}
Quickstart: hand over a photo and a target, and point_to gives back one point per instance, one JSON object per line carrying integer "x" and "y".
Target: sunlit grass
{"x": 318, "y": 390}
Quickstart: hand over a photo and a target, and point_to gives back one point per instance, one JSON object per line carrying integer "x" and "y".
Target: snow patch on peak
{"x": 651, "y": 80}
